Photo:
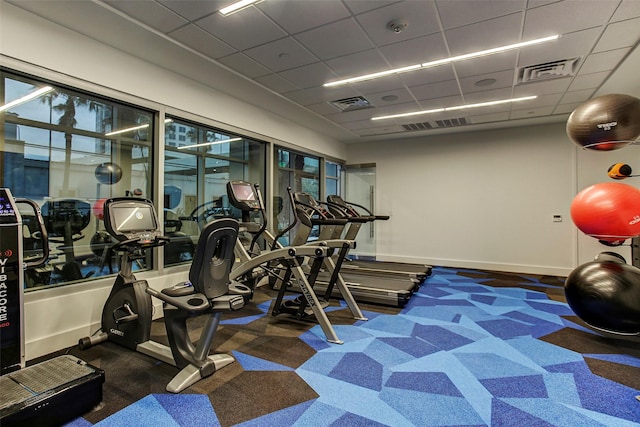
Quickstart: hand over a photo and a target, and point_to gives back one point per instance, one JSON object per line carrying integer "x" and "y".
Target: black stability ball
{"x": 606, "y": 295}
{"x": 108, "y": 173}
{"x": 606, "y": 122}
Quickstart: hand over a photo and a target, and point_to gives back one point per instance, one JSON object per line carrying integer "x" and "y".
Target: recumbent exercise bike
{"x": 127, "y": 313}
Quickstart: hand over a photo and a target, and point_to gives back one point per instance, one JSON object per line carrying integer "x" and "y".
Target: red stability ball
{"x": 606, "y": 122}
{"x": 608, "y": 211}
{"x": 98, "y": 208}
{"x": 606, "y": 295}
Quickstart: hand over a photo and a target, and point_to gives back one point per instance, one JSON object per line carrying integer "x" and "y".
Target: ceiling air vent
{"x": 446, "y": 123}
{"x": 351, "y": 104}
{"x": 548, "y": 70}
{"x": 417, "y": 126}
{"x": 449, "y": 123}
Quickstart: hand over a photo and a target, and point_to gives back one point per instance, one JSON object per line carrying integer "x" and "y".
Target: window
{"x": 68, "y": 151}
{"x": 299, "y": 171}
{"x": 333, "y": 178}
{"x": 197, "y": 167}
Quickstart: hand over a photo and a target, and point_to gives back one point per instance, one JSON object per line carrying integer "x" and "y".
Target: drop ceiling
{"x": 288, "y": 49}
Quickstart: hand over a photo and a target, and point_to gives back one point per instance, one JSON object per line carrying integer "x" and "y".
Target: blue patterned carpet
{"x": 461, "y": 353}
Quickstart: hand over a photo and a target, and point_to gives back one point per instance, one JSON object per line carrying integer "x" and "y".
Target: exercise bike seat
{"x": 209, "y": 286}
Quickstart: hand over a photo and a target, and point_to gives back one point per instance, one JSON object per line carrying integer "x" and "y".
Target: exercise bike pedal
{"x": 129, "y": 315}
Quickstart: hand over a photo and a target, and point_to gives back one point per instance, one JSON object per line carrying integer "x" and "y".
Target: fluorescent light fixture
{"x": 441, "y": 61}
{"x": 117, "y": 132}
{"x": 26, "y": 98}
{"x": 488, "y": 52}
{"x": 457, "y": 107}
{"x": 202, "y": 144}
{"x": 237, "y": 6}
{"x": 125, "y": 130}
{"x": 374, "y": 75}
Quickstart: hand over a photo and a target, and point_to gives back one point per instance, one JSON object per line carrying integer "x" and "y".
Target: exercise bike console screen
{"x": 127, "y": 218}
{"x": 242, "y": 195}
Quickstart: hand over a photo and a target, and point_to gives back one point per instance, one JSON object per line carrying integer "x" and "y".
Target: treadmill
{"x": 389, "y": 289}
{"x": 342, "y": 209}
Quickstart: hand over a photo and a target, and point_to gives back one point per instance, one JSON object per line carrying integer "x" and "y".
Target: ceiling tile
{"x": 568, "y": 46}
{"x": 379, "y": 85}
{"x": 577, "y": 96}
{"x": 502, "y": 79}
{"x": 488, "y": 118}
{"x": 244, "y": 65}
{"x": 486, "y": 64}
{"x": 297, "y": 16}
{"x": 277, "y": 83}
{"x": 233, "y": 29}
{"x": 627, "y": 9}
{"x": 618, "y": 35}
{"x": 193, "y": 9}
{"x": 420, "y": 17}
{"x": 415, "y": 51}
{"x": 203, "y": 42}
{"x": 361, "y": 6}
{"x": 446, "y": 101}
{"x": 392, "y": 97}
{"x": 435, "y": 90}
{"x": 150, "y": 13}
{"x": 365, "y": 62}
{"x": 602, "y": 61}
{"x": 530, "y": 112}
{"x": 309, "y": 75}
{"x": 544, "y": 87}
{"x": 281, "y": 54}
{"x": 422, "y": 76}
{"x": 317, "y": 95}
{"x": 335, "y": 39}
{"x": 567, "y": 16}
{"x": 566, "y": 108}
{"x": 350, "y": 116}
{"x": 545, "y": 100}
{"x": 589, "y": 81}
{"x": 322, "y": 108}
{"x": 485, "y": 35}
{"x": 463, "y": 12}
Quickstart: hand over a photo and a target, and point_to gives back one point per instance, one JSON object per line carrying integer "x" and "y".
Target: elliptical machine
{"x": 127, "y": 313}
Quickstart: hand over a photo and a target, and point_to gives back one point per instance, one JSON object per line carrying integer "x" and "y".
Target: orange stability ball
{"x": 608, "y": 211}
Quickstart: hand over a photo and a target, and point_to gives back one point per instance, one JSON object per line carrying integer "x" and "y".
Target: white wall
{"x": 485, "y": 199}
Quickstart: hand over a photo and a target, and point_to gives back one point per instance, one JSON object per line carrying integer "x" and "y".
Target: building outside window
{"x": 68, "y": 151}
{"x": 199, "y": 161}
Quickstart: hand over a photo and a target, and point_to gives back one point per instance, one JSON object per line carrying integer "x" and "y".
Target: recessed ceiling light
{"x": 389, "y": 98}
{"x": 485, "y": 82}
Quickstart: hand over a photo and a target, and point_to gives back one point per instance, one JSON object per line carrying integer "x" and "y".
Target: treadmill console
{"x": 242, "y": 195}
{"x": 131, "y": 218}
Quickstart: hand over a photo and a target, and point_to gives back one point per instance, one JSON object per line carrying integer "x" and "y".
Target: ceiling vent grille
{"x": 446, "y": 123}
{"x": 449, "y": 123}
{"x": 417, "y": 126}
{"x": 351, "y": 104}
{"x": 548, "y": 70}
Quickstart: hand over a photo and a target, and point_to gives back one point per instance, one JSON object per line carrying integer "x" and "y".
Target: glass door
{"x": 360, "y": 189}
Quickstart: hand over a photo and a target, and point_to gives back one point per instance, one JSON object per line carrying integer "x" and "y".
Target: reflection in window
{"x": 199, "y": 161}
{"x": 68, "y": 151}
{"x": 333, "y": 178}
{"x": 299, "y": 171}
